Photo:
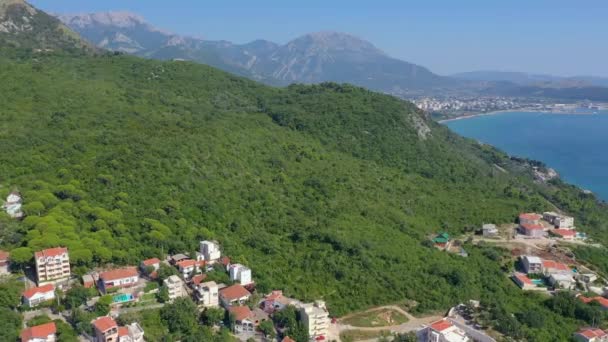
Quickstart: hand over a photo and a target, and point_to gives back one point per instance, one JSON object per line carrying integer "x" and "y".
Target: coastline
{"x": 530, "y": 110}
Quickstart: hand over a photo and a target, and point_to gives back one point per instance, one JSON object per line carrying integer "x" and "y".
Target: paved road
{"x": 138, "y": 308}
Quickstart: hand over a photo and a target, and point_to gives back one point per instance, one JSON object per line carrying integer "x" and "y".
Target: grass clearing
{"x": 376, "y": 318}
{"x": 362, "y": 335}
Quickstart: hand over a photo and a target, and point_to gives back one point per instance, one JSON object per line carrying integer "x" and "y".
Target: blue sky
{"x": 561, "y": 37}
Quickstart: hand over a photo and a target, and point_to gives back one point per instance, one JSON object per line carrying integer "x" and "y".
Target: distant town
{"x": 453, "y": 106}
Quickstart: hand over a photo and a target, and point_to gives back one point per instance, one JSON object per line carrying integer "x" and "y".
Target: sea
{"x": 575, "y": 145}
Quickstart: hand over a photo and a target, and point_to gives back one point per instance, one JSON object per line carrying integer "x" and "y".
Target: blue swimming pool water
{"x": 123, "y": 297}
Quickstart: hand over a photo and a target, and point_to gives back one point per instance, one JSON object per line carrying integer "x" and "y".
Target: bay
{"x": 575, "y": 145}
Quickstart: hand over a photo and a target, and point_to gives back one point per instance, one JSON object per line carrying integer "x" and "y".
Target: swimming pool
{"x": 538, "y": 282}
{"x": 122, "y": 297}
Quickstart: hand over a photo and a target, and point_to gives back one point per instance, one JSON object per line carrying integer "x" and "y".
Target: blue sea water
{"x": 575, "y": 145}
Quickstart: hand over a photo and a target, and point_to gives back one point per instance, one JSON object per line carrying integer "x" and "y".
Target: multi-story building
{"x": 559, "y": 221}
{"x": 131, "y": 333}
{"x": 52, "y": 265}
{"x": 316, "y": 319}
{"x": 189, "y": 267}
{"x": 529, "y": 219}
{"x": 532, "y": 264}
{"x": 123, "y": 277}
{"x": 444, "y": 331}
{"x": 176, "y": 287}
{"x": 40, "y": 333}
{"x": 105, "y": 329}
{"x": 4, "y": 263}
{"x": 37, "y": 295}
{"x": 207, "y": 294}
{"x": 240, "y": 273}
{"x": 209, "y": 251}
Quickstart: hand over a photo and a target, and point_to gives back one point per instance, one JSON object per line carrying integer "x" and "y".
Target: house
{"x": 274, "y": 301}
{"x": 315, "y": 318}
{"x": 88, "y": 281}
{"x": 444, "y": 331}
{"x": 529, "y": 219}
{"x": 197, "y": 280}
{"x": 561, "y": 280}
{"x": 189, "y": 267}
{"x": 553, "y": 267}
{"x": 559, "y": 221}
{"x": 242, "y": 319}
{"x": 591, "y": 335}
{"x": 105, "y": 329}
{"x": 176, "y": 287}
{"x": 532, "y": 264}
{"x": 131, "y": 333}
{"x": 149, "y": 267}
{"x": 4, "y": 263}
{"x": 603, "y": 302}
{"x": 209, "y": 251}
{"x": 37, "y": 295}
{"x": 566, "y": 234}
{"x": 52, "y": 265}
{"x": 532, "y": 230}
{"x": 489, "y": 230}
{"x": 122, "y": 277}
{"x": 174, "y": 259}
{"x": 12, "y": 206}
{"x": 207, "y": 294}
{"x": 234, "y": 295}
{"x": 240, "y": 273}
{"x": 441, "y": 240}
{"x": 523, "y": 281}
{"x": 40, "y": 333}
{"x": 587, "y": 277}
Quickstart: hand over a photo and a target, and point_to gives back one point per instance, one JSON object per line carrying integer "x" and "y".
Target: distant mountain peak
{"x": 334, "y": 41}
{"x": 115, "y": 19}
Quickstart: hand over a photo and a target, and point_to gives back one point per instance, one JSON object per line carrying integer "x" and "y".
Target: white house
{"x": 131, "y": 333}
{"x": 444, "y": 331}
{"x": 209, "y": 251}
{"x": 37, "y": 295}
{"x": 559, "y": 221}
{"x": 489, "y": 229}
{"x": 189, "y": 267}
{"x": 175, "y": 286}
{"x": 561, "y": 280}
{"x": 532, "y": 264}
{"x": 12, "y": 206}
{"x": 40, "y": 333}
{"x": 207, "y": 294}
{"x": 122, "y": 277}
{"x": 240, "y": 273}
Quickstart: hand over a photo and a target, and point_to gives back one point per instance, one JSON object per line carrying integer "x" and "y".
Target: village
{"x": 539, "y": 266}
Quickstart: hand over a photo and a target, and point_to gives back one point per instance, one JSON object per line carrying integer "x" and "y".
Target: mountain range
{"x": 530, "y": 79}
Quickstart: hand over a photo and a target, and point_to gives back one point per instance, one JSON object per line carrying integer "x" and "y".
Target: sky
{"x": 559, "y": 37}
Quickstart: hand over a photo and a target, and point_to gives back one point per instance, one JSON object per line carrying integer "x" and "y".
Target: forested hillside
{"x": 327, "y": 191}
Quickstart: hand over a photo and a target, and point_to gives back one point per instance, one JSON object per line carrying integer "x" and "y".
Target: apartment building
{"x": 316, "y": 319}
{"x": 176, "y": 287}
{"x": 207, "y": 294}
{"x": 52, "y": 265}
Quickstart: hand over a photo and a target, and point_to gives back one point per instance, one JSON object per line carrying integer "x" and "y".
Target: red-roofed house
{"x": 523, "y": 281}
{"x": 591, "y": 335}
{"x": 552, "y": 267}
{"x": 529, "y": 219}
{"x": 444, "y": 331}
{"x": 4, "y": 263}
{"x": 189, "y": 267}
{"x": 131, "y": 333}
{"x": 52, "y": 264}
{"x": 234, "y": 295}
{"x": 274, "y": 301}
{"x": 153, "y": 262}
{"x": 40, "y": 333}
{"x": 242, "y": 319}
{"x": 601, "y": 300}
{"x": 566, "y": 234}
{"x": 532, "y": 230}
{"x": 106, "y": 329}
{"x": 122, "y": 277}
{"x": 37, "y": 295}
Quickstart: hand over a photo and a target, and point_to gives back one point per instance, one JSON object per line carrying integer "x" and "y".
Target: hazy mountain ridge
{"x": 531, "y": 79}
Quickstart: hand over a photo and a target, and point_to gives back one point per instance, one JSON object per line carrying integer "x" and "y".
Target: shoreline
{"x": 530, "y": 110}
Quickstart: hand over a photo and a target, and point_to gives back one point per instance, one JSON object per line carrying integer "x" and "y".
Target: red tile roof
{"x": 104, "y": 323}
{"x": 555, "y": 265}
{"x": 524, "y": 279}
{"x": 240, "y": 312}
{"x": 593, "y": 333}
{"x": 150, "y": 262}
{"x": 4, "y": 255}
{"x": 234, "y": 292}
{"x": 530, "y": 216}
{"x": 123, "y": 331}
{"x": 532, "y": 226}
{"x": 601, "y": 300}
{"x": 441, "y": 325}
{"x": 29, "y": 293}
{"x": 51, "y": 252}
{"x": 197, "y": 279}
{"x": 287, "y": 339}
{"x": 186, "y": 263}
{"x": 274, "y": 295}
{"x": 564, "y": 232}
{"x": 120, "y": 273}
{"x": 38, "y": 332}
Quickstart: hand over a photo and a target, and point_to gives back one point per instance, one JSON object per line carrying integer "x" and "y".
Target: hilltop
{"x": 327, "y": 191}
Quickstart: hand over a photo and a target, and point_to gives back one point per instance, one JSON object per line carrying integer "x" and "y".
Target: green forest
{"x": 327, "y": 191}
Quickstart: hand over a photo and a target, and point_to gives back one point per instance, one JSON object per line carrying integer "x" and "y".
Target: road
{"x": 413, "y": 323}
